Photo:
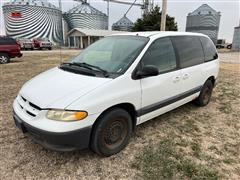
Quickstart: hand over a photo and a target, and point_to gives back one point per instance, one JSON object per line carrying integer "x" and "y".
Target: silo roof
{"x": 85, "y": 8}
{"x": 124, "y": 21}
{"x": 203, "y": 10}
{"x": 42, "y": 3}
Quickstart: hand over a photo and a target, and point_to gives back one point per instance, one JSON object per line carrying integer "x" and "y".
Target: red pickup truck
{"x": 9, "y": 48}
{"x": 42, "y": 43}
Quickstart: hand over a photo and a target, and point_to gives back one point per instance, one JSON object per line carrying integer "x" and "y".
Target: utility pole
{"x": 164, "y": 14}
{"x": 61, "y": 24}
{"x": 108, "y": 13}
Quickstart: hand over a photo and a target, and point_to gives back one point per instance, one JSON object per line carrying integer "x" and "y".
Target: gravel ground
{"x": 216, "y": 129}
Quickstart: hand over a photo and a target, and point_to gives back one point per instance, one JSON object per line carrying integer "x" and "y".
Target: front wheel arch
{"x": 130, "y": 108}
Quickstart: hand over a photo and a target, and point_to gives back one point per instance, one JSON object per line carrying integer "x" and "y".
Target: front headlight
{"x": 63, "y": 115}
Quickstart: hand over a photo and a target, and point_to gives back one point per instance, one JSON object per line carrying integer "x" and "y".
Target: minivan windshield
{"x": 112, "y": 54}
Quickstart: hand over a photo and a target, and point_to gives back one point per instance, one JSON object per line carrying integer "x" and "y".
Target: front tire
{"x": 4, "y": 58}
{"x": 112, "y": 132}
{"x": 205, "y": 94}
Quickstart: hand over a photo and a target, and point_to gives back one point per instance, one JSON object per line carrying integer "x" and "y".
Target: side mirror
{"x": 146, "y": 71}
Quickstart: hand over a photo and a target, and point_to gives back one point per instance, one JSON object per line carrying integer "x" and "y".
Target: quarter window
{"x": 209, "y": 49}
{"x": 189, "y": 50}
{"x": 7, "y": 41}
{"x": 161, "y": 54}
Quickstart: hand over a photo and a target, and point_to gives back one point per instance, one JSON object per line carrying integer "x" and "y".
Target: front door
{"x": 159, "y": 92}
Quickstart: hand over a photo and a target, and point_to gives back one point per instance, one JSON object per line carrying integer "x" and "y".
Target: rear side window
{"x": 189, "y": 50}
{"x": 7, "y": 41}
{"x": 209, "y": 49}
{"x": 161, "y": 54}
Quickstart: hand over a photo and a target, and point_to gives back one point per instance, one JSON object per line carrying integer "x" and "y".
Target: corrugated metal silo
{"x": 86, "y": 16}
{"x": 124, "y": 24}
{"x": 204, "y": 20}
{"x": 236, "y": 39}
{"x": 33, "y": 19}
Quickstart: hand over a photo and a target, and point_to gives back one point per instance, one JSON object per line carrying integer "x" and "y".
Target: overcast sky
{"x": 230, "y": 11}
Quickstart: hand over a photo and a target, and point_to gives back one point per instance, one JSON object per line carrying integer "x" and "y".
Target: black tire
{"x": 112, "y": 132}
{"x": 205, "y": 94}
{"x": 50, "y": 49}
{"x": 4, "y": 58}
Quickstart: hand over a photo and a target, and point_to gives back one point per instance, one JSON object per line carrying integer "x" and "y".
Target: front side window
{"x": 189, "y": 50}
{"x": 161, "y": 54}
{"x": 209, "y": 49}
{"x": 112, "y": 54}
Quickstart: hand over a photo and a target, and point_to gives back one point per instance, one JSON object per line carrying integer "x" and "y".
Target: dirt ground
{"x": 207, "y": 137}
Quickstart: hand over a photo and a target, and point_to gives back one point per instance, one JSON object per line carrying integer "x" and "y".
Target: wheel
{"x": 4, "y": 58}
{"x": 112, "y": 132}
{"x": 50, "y": 48}
{"x": 205, "y": 94}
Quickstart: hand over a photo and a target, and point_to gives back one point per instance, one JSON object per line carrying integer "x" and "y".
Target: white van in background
{"x": 96, "y": 99}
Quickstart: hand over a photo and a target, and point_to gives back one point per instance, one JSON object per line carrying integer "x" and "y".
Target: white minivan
{"x": 96, "y": 99}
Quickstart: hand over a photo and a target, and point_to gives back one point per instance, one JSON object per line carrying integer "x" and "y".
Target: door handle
{"x": 176, "y": 79}
{"x": 185, "y": 76}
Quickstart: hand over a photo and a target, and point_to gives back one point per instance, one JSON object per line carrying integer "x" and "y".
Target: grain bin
{"x": 86, "y": 16}
{"x": 33, "y": 19}
{"x": 124, "y": 24}
{"x": 204, "y": 20}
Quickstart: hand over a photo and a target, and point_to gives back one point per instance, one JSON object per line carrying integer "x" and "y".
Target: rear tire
{"x": 4, "y": 58}
{"x": 112, "y": 132}
{"x": 205, "y": 94}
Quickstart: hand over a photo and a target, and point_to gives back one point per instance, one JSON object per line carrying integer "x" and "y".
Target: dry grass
{"x": 187, "y": 143}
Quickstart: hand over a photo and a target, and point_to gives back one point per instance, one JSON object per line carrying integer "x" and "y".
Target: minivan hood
{"x": 56, "y": 88}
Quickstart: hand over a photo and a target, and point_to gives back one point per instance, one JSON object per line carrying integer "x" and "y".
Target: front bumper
{"x": 65, "y": 141}
{"x": 45, "y": 46}
{"x": 16, "y": 54}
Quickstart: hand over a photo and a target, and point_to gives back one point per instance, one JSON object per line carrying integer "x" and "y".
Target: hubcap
{"x": 3, "y": 59}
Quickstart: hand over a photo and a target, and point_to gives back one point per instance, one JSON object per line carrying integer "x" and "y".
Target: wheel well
{"x": 3, "y": 52}
{"x": 127, "y": 107}
{"x": 212, "y": 79}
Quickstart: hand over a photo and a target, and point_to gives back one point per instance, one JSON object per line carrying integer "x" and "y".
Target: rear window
{"x": 209, "y": 49}
{"x": 189, "y": 50}
{"x": 7, "y": 41}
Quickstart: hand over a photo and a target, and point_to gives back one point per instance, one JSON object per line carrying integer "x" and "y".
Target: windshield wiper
{"x": 88, "y": 66}
{"x": 67, "y": 67}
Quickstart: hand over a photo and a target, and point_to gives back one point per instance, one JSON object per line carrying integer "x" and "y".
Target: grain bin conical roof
{"x": 86, "y": 16}
{"x": 124, "y": 24}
